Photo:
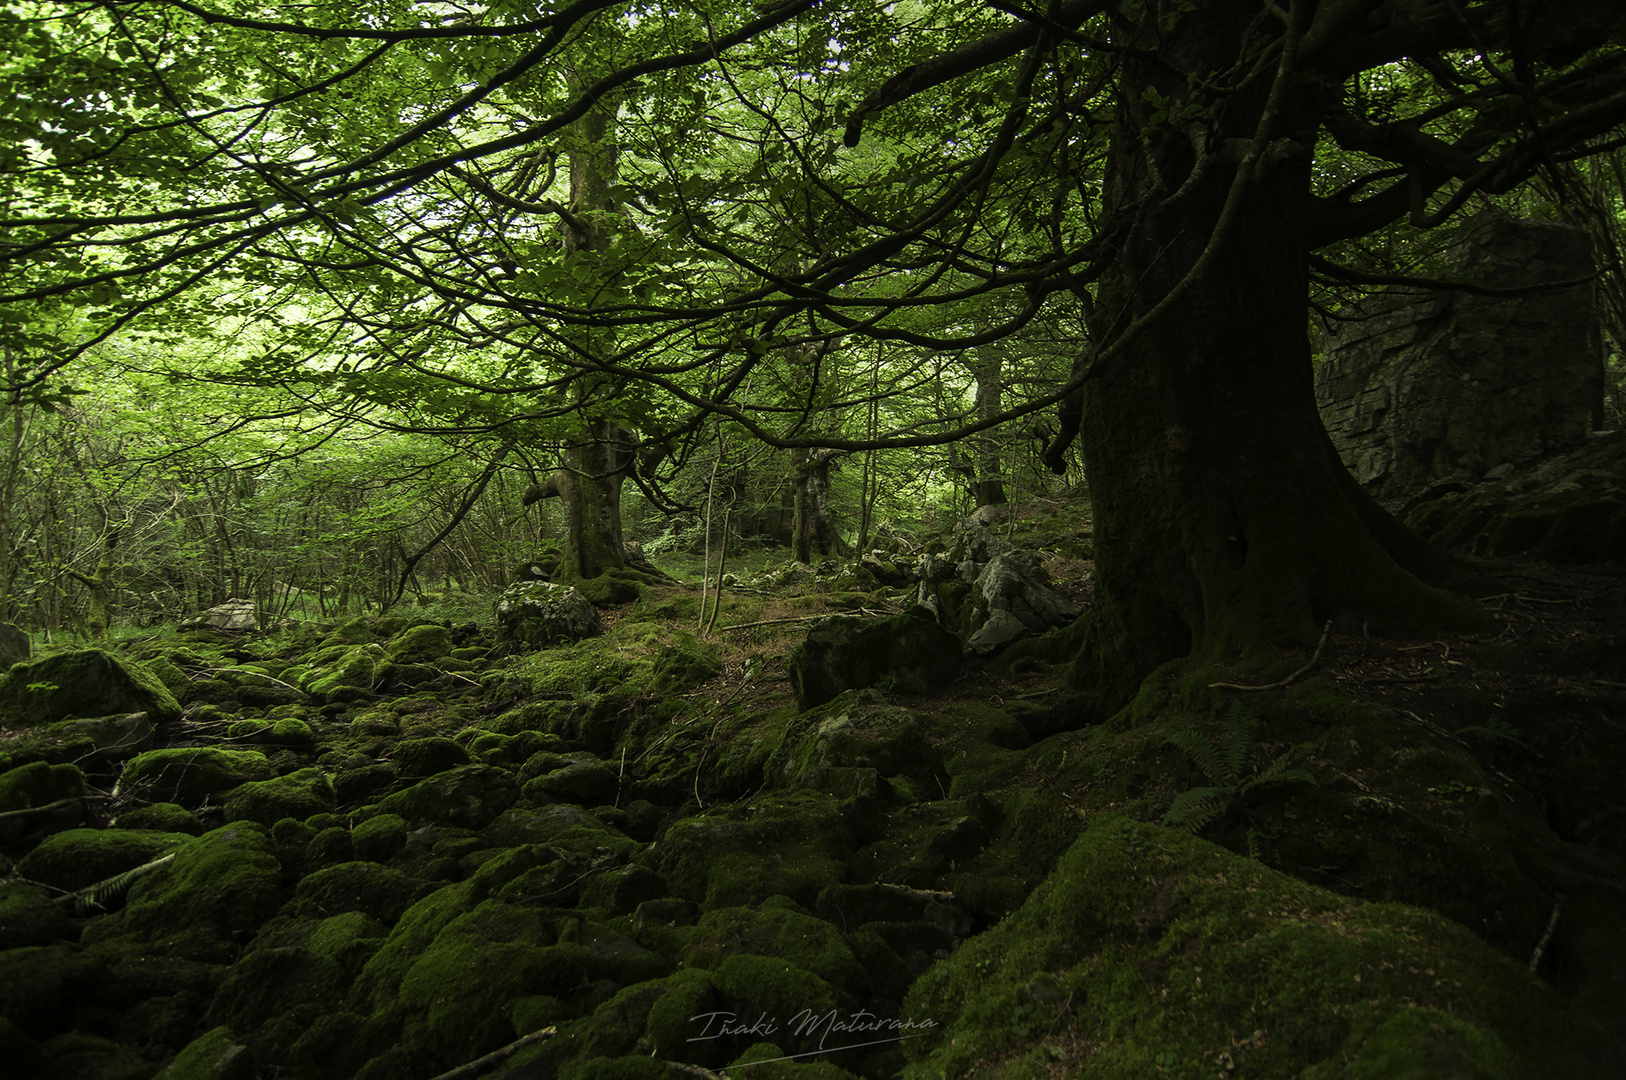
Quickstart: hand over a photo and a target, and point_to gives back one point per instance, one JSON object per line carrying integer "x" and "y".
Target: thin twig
{"x": 1552, "y": 924}
{"x": 481, "y": 1064}
{"x": 27, "y": 810}
{"x": 1325, "y": 630}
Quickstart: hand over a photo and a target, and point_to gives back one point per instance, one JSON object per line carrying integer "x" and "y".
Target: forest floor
{"x": 548, "y": 864}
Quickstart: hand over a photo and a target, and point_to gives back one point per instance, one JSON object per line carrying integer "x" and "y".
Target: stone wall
{"x": 1420, "y": 385}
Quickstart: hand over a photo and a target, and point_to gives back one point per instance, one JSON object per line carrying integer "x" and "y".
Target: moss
{"x": 85, "y": 683}
{"x": 288, "y": 732}
{"x": 772, "y": 987}
{"x": 40, "y": 985}
{"x": 777, "y": 929}
{"x": 684, "y": 664}
{"x": 380, "y": 838}
{"x": 766, "y": 1061}
{"x": 427, "y": 757}
{"x": 39, "y": 784}
{"x": 628, "y": 1067}
{"x": 189, "y": 775}
{"x": 227, "y": 881}
{"x": 30, "y": 916}
{"x": 423, "y": 643}
{"x": 671, "y": 1025}
{"x": 379, "y": 891}
{"x": 795, "y": 843}
{"x": 78, "y": 1055}
{"x": 161, "y": 817}
{"x": 214, "y": 1055}
{"x": 1181, "y": 949}
{"x": 297, "y": 795}
{"x": 268, "y": 982}
{"x": 80, "y": 857}
{"x": 613, "y": 587}
{"x": 469, "y": 796}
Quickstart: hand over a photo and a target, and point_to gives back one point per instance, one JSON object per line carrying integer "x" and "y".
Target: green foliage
{"x": 1222, "y": 755}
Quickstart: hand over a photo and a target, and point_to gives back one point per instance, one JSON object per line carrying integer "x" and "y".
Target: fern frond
{"x": 1279, "y": 773}
{"x": 1203, "y": 750}
{"x": 1233, "y": 750}
{"x": 95, "y": 898}
{"x": 1196, "y": 807}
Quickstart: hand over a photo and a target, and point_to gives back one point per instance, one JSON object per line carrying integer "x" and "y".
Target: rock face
{"x": 234, "y": 615}
{"x": 14, "y": 645}
{"x": 87, "y": 683}
{"x": 538, "y": 613}
{"x": 908, "y": 652}
{"x": 1010, "y": 594}
{"x": 1425, "y": 385}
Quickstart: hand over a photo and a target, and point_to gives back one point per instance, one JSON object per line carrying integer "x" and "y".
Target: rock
{"x": 381, "y": 892}
{"x": 297, "y": 795}
{"x": 908, "y": 653}
{"x": 30, "y": 916}
{"x": 77, "y": 858}
{"x": 624, "y": 889}
{"x": 415, "y": 758}
{"x": 379, "y": 839}
{"x": 233, "y": 615}
{"x": 226, "y": 882}
{"x": 1424, "y": 385}
{"x": 86, "y": 683}
{"x": 859, "y": 731}
{"x": 15, "y": 646}
{"x": 469, "y": 796}
{"x": 109, "y": 738}
{"x": 533, "y": 614}
{"x": 581, "y": 782}
{"x": 161, "y": 817}
{"x": 189, "y": 775}
{"x": 421, "y": 644}
{"x": 214, "y": 1055}
{"x": 35, "y": 785}
{"x": 347, "y": 673}
{"x": 1014, "y": 591}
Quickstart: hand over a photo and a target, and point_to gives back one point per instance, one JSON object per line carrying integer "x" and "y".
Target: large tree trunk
{"x": 1225, "y": 525}
{"x": 813, "y": 522}
{"x": 590, "y": 482}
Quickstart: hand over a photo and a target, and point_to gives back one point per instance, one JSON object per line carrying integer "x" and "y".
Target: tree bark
{"x": 1225, "y": 525}
{"x": 813, "y": 524}
{"x": 988, "y": 483}
{"x": 589, "y": 482}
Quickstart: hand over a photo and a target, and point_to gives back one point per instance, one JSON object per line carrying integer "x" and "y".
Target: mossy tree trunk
{"x": 589, "y": 483}
{"x": 96, "y": 584}
{"x": 813, "y": 522}
{"x": 1225, "y": 525}
{"x": 987, "y": 367}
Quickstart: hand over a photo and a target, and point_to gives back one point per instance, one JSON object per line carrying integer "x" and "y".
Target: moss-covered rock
{"x": 37, "y": 785}
{"x": 297, "y": 795}
{"x": 779, "y": 929}
{"x": 82, "y": 1056}
{"x": 421, "y": 644}
{"x": 31, "y": 916}
{"x": 223, "y": 883}
{"x": 379, "y": 839}
{"x": 214, "y": 1055}
{"x": 41, "y": 984}
{"x": 859, "y": 729}
{"x": 795, "y": 843}
{"x": 1148, "y": 949}
{"x": 189, "y": 775}
{"x": 684, "y": 663}
{"x": 289, "y": 732}
{"x": 161, "y": 817}
{"x": 586, "y": 783}
{"x": 910, "y": 653}
{"x": 347, "y": 674}
{"x": 78, "y": 858}
{"x": 469, "y": 796}
{"x": 86, "y": 683}
{"x": 104, "y": 738}
{"x": 380, "y": 892}
{"x": 415, "y": 758}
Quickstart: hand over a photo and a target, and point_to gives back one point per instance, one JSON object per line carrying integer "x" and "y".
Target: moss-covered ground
{"x": 385, "y": 849}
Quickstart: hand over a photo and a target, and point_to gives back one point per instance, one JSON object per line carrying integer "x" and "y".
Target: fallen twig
{"x": 27, "y": 810}
{"x": 1552, "y": 924}
{"x": 479, "y": 1065}
{"x": 1325, "y": 630}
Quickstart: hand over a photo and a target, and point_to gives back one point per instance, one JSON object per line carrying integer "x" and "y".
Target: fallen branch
{"x": 480, "y": 1065}
{"x": 806, "y": 618}
{"x": 1552, "y": 924}
{"x": 27, "y": 810}
{"x": 1325, "y": 630}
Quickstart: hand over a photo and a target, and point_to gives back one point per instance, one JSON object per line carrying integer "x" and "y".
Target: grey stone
{"x": 538, "y": 613}
{"x": 1420, "y": 385}
{"x": 233, "y": 615}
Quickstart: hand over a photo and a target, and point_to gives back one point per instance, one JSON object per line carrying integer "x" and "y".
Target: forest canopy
{"x": 426, "y": 256}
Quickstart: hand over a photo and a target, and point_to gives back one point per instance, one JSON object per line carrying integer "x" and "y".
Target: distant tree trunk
{"x": 988, "y": 482}
{"x": 589, "y": 483}
{"x": 812, "y": 521}
{"x": 96, "y": 618}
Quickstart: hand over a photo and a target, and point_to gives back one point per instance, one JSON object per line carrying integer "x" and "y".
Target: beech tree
{"x": 935, "y": 178}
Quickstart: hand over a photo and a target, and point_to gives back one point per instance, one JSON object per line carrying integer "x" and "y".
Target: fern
{"x": 93, "y": 900}
{"x": 1222, "y": 757}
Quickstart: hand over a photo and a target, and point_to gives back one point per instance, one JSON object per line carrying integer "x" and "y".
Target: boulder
{"x": 86, "y": 683}
{"x": 37, "y": 785}
{"x": 188, "y": 775}
{"x": 468, "y": 796}
{"x": 297, "y": 795}
{"x": 234, "y": 615}
{"x": 14, "y": 645}
{"x": 421, "y": 644}
{"x": 79, "y": 858}
{"x": 347, "y": 673}
{"x": 1014, "y": 591}
{"x": 107, "y": 738}
{"x": 909, "y": 653}
{"x": 532, "y": 614}
{"x": 1419, "y": 385}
